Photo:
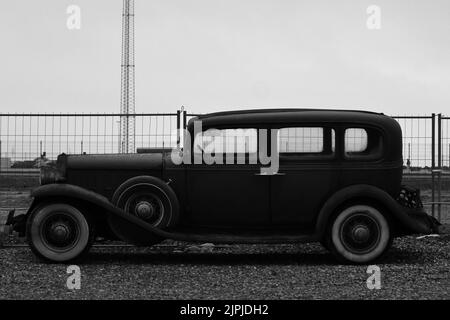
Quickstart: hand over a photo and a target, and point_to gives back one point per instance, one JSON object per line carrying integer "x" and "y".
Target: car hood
{"x": 115, "y": 161}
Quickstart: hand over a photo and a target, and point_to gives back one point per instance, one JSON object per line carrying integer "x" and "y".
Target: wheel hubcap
{"x": 60, "y": 232}
{"x": 145, "y": 210}
{"x": 146, "y": 206}
{"x": 361, "y": 233}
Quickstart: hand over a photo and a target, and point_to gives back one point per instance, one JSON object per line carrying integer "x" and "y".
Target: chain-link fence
{"x": 423, "y": 137}
{"x": 418, "y": 137}
{"x": 443, "y": 171}
{"x": 28, "y": 141}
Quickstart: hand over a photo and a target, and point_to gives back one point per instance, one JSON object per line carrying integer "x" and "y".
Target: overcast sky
{"x": 212, "y": 55}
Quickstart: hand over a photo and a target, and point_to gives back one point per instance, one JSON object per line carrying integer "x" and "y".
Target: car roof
{"x": 261, "y": 116}
{"x": 279, "y": 110}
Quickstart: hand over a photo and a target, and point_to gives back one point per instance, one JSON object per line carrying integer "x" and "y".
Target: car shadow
{"x": 402, "y": 256}
{"x": 210, "y": 258}
{"x": 233, "y": 258}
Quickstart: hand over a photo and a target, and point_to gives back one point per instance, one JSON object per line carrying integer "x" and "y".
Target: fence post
{"x": 439, "y": 165}
{"x": 433, "y": 163}
{"x": 178, "y": 128}
{"x": 439, "y": 141}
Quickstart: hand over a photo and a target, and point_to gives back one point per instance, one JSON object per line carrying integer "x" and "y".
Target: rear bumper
{"x": 413, "y": 216}
{"x": 418, "y": 221}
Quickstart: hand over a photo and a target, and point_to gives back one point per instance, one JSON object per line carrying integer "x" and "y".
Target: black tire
{"x": 359, "y": 234}
{"x": 59, "y": 232}
{"x": 151, "y": 200}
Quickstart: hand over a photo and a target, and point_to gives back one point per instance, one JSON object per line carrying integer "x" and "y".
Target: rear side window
{"x": 306, "y": 140}
{"x": 362, "y": 143}
{"x": 355, "y": 140}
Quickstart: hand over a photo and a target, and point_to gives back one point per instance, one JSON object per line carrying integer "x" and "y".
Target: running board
{"x": 224, "y": 238}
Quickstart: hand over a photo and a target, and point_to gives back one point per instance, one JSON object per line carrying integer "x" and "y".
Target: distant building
{"x": 5, "y": 163}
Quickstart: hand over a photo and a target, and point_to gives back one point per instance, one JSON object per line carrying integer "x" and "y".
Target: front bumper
{"x": 13, "y": 223}
{"x": 6, "y": 226}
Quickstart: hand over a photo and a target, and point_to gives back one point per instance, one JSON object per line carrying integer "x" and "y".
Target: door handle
{"x": 269, "y": 175}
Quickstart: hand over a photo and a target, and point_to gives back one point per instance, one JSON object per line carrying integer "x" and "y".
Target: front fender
{"x": 68, "y": 191}
{"x": 411, "y": 220}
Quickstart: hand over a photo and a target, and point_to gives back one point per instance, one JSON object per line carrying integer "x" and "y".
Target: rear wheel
{"x": 359, "y": 234}
{"x": 59, "y": 232}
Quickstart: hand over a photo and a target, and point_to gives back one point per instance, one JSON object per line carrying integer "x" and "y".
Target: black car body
{"x": 338, "y": 180}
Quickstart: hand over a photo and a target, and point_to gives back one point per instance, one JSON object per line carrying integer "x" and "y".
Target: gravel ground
{"x": 413, "y": 269}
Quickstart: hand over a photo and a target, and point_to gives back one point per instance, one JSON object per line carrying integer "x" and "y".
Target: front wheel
{"x": 59, "y": 232}
{"x": 359, "y": 234}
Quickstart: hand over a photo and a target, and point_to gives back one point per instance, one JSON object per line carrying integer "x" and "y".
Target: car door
{"x": 307, "y": 175}
{"x": 227, "y": 194}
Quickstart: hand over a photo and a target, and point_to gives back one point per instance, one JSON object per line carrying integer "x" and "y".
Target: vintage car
{"x": 259, "y": 176}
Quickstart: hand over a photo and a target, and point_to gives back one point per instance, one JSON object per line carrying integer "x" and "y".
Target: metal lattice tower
{"x": 127, "y": 102}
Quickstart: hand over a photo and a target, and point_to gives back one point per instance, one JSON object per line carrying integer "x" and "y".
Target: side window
{"x": 361, "y": 142}
{"x": 306, "y": 141}
{"x": 227, "y": 141}
{"x": 355, "y": 140}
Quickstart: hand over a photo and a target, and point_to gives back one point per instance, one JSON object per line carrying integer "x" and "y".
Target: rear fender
{"x": 413, "y": 221}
